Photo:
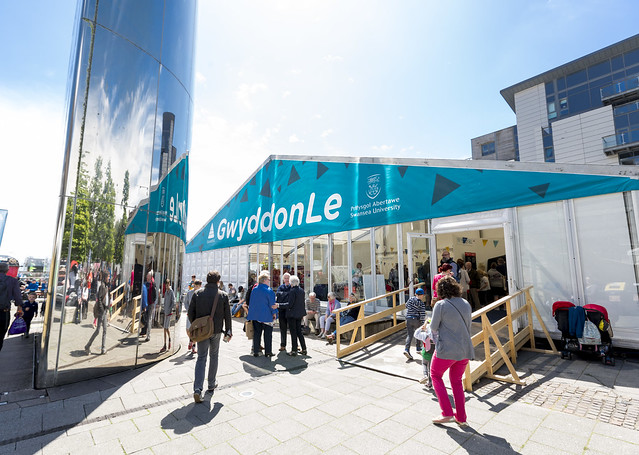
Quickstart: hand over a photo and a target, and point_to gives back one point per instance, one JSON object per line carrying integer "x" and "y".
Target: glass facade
{"x": 128, "y": 137}
{"x": 583, "y": 250}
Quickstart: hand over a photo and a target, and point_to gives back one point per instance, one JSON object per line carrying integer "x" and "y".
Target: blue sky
{"x": 355, "y": 78}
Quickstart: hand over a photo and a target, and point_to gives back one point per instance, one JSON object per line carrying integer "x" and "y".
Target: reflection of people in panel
{"x": 101, "y": 312}
{"x": 169, "y": 305}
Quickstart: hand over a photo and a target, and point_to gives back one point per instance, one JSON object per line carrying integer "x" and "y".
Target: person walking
{"x": 415, "y": 316}
{"x": 281, "y": 297}
{"x": 151, "y": 298}
{"x": 30, "y": 309}
{"x": 262, "y": 312}
{"x": 453, "y": 349}
{"x": 295, "y": 311}
{"x": 9, "y": 290}
{"x": 100, "y": 312}
{"x": 169, "y": 306}
{"x": 197, "y": 284}
{"x": 210, "y": 301}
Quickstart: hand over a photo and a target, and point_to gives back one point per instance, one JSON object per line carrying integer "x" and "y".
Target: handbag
{"x": 248, "y": 328}
{"x": 202, "y": 328}
{"x": 18, "y": 326}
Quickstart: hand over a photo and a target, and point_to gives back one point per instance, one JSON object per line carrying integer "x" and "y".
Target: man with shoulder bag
{"x": 209, "y": 302}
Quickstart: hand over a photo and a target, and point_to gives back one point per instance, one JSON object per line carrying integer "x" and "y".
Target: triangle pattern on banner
{"x": 281, "y": 163}
{"x": 402, "y": 170}
{"x": 540, "y": 190}
{"x": 484, "y": 242}
{"x": 266, "y": 189}
{"x": 294, "y": 176}
{"x": 443, "y": 187}
{"x": 253, "y": 180}
{"x": 244, "y": 196}
{"x": 495, "y": 243}
{"x": 279, "y": 188}
{"x": 321, "y": 169}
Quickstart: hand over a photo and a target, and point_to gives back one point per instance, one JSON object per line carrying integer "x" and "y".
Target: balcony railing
{"x": 615, "y": 142}
{"x": 620, "y": 89}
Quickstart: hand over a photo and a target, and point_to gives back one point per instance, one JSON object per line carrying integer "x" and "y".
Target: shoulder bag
{"x": 202, "y": 328}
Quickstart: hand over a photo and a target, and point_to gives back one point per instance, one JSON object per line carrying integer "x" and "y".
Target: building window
{"x": 563, "y": 104}
{"x": 552, "y": 110}
{"x": 488, "y": 148}
{"x": 549, "y": 154}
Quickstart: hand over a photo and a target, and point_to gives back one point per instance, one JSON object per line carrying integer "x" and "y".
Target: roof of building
{"x": 300, "y": 196}
{"x": 568, "y": 68}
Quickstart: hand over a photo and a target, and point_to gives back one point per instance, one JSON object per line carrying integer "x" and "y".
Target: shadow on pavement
{"x": 262, "y": 366}
{"x": 183, "y": 420}
{"x": 475, "y": 442}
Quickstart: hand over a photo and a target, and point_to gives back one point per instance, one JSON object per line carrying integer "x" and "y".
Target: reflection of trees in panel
{"x": 102, "y": 235}
{"x": 82, "y": 220}
{"x": 120, "y": 226}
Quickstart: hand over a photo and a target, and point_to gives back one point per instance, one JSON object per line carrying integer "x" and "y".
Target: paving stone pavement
{"x": 312, "y": 404}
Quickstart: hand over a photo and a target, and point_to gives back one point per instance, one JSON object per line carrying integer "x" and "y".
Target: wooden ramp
{"x": 493, "y": 334}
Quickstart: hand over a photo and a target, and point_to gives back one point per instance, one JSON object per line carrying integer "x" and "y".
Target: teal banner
{"x": 167, "y": 207}
{"x": 291, "y": 199}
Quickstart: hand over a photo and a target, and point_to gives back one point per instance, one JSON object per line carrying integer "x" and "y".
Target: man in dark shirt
{"x": 201, "y": 305}
{"x": 9, "y": 290}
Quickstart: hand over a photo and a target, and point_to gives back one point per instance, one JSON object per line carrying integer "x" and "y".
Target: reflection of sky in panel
{"x": 176, "y": 41}
{"x": 74, "y": 152}
{"x": 121, "y": 113}
{"x": 139, "y": 21}
{"x": 172, "y": 98}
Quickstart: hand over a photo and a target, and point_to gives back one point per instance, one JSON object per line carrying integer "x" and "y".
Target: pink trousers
{"x": 457, "y": 367}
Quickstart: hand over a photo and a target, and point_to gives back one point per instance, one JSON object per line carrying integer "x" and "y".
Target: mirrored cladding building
{"x": 124, "y": 190}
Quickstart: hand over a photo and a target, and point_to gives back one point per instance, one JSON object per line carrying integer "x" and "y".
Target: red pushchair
{"x": 594, "y": 344}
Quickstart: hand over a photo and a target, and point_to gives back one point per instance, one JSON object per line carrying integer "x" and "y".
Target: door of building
{"x": 420, "y": 264}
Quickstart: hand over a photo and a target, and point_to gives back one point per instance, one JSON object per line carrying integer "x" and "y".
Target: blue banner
{"x": 167, "y": 207}
{"x": 3, "y": 221}
{"x": 291, "y": 199}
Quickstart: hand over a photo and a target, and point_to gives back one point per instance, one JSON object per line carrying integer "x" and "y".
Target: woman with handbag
{"x": 453, "y": 349}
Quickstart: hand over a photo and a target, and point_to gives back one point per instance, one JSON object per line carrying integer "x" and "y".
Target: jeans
{"x": 411, "y": 326}
{"x": 258, "y": 328}
{"x": 210, "y": 346}
{"x": 457, "y": 367}
{"x": 5, "y": 319}
{"x": 295, "y": 326}
{"x": 102, "y": 321}
{"x": 150, "y": 312}
{"x": 343, "y": 320}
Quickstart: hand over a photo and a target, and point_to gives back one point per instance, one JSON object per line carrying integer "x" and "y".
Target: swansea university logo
{"x": 374, "y": 185}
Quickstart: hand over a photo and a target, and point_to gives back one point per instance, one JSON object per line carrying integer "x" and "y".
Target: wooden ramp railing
{"x": 506, "y": 353}
{"x": 359, "y": 325}
{"x": 117, "y": 300}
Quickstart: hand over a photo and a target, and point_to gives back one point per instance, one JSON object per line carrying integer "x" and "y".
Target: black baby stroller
{"x": 584, "y": 329}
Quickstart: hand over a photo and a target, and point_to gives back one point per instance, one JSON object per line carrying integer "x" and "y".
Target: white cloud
{"x": 327, "y": 133}
{"x": 351, "y": 80}
{"x": 286, "y": 94}
{"x": 296, "y": 71}
{"x": 245, "y": 92}
{"x": 293, "y": 139}
{"x": 224, "y": 155}
{"x": 333, "y": 58}
{"x": 200, "y": 78}
{"x": 382, "y": 148}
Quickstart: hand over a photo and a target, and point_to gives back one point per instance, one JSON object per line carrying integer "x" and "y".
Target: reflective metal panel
{"x": 121, "y": 97}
